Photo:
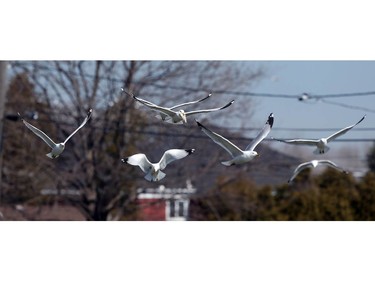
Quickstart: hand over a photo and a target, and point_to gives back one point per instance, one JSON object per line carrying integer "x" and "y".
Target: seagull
{"x": 153, "y": 171}
{"x": 57, "y": 148}
{"x": 314, "y": 164}
{"x": 239, "y": 156}
{"x": 321, "y": 144}
{"x": 161, "y": 115}
{"x": 180, "y": 116}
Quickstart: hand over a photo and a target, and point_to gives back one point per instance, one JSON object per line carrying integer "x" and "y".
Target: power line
{"x": 301, "y": 97}
{"x": 344, "y": 95}
{"x": 186, "y": 135}
{"x": 15, "y": 117}
{"x": 322, "y": 98}
{"x": 349, "y": 106}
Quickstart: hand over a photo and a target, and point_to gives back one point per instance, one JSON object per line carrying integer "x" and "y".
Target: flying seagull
{"x": 239, "y": 156}
{"x": 161, "y": 115}
{"x": 153, "y": 171}
{"x": 180, "y": 116}
{"x": 57, "y": 148}
{"x": 321, "y": 144}
{"x": 314, "y": 164}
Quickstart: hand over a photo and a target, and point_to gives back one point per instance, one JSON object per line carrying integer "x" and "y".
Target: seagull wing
{"x": 299, "y": 169}
{"x": 209, "y": 110}
{"x": 299, "y": 141}
{"x": 262, "y": 134}
{"x": 144, "y": 101}
{"x": 80, "y": 126}
{"x": 223, "y": 142}
{"x": 164, "y": 110}
{"x": 191, "y": 102}
{"x": 136, "y": 98}
{"x": 331, "y": 164}
{"x": 40, "y": 134}
{"x": 139, "y": 160}
{"x": 343, "y": 131}
{"x": 172, "y": 155}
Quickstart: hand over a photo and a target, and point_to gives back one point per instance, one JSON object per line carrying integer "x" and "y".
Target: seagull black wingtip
{"x": 209, "y": 95}
{"x": 361, "y": 119}
{"x": 229, "y": 104}
{"x": 89, "y": 114}
{"x": 270, "y": 120}
{"x": 190, "y": 151}
{"x": 200, "y": 125}
{"x": 20, "y": 116}
{"x": 124, "y": 160}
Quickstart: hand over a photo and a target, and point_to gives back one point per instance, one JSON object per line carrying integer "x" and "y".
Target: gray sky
{"x": 319, "y": 78}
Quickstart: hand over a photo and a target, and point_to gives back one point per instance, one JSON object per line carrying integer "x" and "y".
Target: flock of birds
{"x": 154, "y": 172}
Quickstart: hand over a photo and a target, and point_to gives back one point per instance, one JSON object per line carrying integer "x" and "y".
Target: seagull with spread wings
{"x": 163, "y": 116}
{"x": 314, "y": 164}
{"x": 177, "y": 117}
{"x": 321, "y": 144}
{"x": 153, "y": 171}
{"x": 57, "y": 148}
{"x": 239, "y": 156}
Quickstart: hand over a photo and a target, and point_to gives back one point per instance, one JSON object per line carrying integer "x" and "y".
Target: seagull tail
{"x": 228, "y": 163}
{"x": 319, "y": 151}
{"x": 158, "y": 177}
{"x": 50, "y": 155}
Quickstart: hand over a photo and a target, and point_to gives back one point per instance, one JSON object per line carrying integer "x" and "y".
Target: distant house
{"x": 164, "y": 204}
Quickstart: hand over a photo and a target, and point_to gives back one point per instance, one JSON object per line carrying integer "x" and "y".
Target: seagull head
{"x": 60, "y": 146}
{"x": 182, "y": 114}
{"x": 155, "y": 170}
{"x": 57, "y": 150}
{"x": 254, "y": 154}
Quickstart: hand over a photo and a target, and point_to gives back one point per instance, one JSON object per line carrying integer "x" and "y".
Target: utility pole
{"x": 3, "y": 91}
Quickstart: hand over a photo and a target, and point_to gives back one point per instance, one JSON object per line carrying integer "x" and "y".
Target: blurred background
{"x": 310, "y": 99}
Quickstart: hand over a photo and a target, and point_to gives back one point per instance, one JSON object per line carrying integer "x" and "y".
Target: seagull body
{"x": 57, "y": 148}
{"x": 321, "y": 144}
{"x": 239, "y": 156}
{"x": 153, "y": 171}
{"x": 314, "y": 164}
{"x": 180, "y": 116}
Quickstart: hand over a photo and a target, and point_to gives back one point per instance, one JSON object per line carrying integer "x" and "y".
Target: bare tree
{"x": 119, "y": 127}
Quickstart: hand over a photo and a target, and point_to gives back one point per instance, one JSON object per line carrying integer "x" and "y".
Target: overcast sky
{"x": 319, "y": 78}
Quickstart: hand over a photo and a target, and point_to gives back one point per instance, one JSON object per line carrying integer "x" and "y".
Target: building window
{"x": 171, "y": 208}
{"x": 180, "y": 209}
{"x": 177, "y": 209}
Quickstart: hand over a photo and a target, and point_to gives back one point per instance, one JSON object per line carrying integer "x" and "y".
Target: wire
{"x": 344, "y": 95}
{"x": 239, "y": 93}
{"x": 153, "y": 133}
{"x": 348, "y": 106}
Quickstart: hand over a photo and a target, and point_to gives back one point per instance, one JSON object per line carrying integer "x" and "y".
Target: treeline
{"x": 327, "y": 197}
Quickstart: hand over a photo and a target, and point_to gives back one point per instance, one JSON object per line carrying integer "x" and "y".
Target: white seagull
{"x": 180, "y": 116}
{"x": 57, "y": 148}
{"x": 153, "y": 171}
{"x": 321, "y": 144}
{"x": 239, "y": 156}
{"x": 314, "y": 164}
{"x": 161, "y": 115}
